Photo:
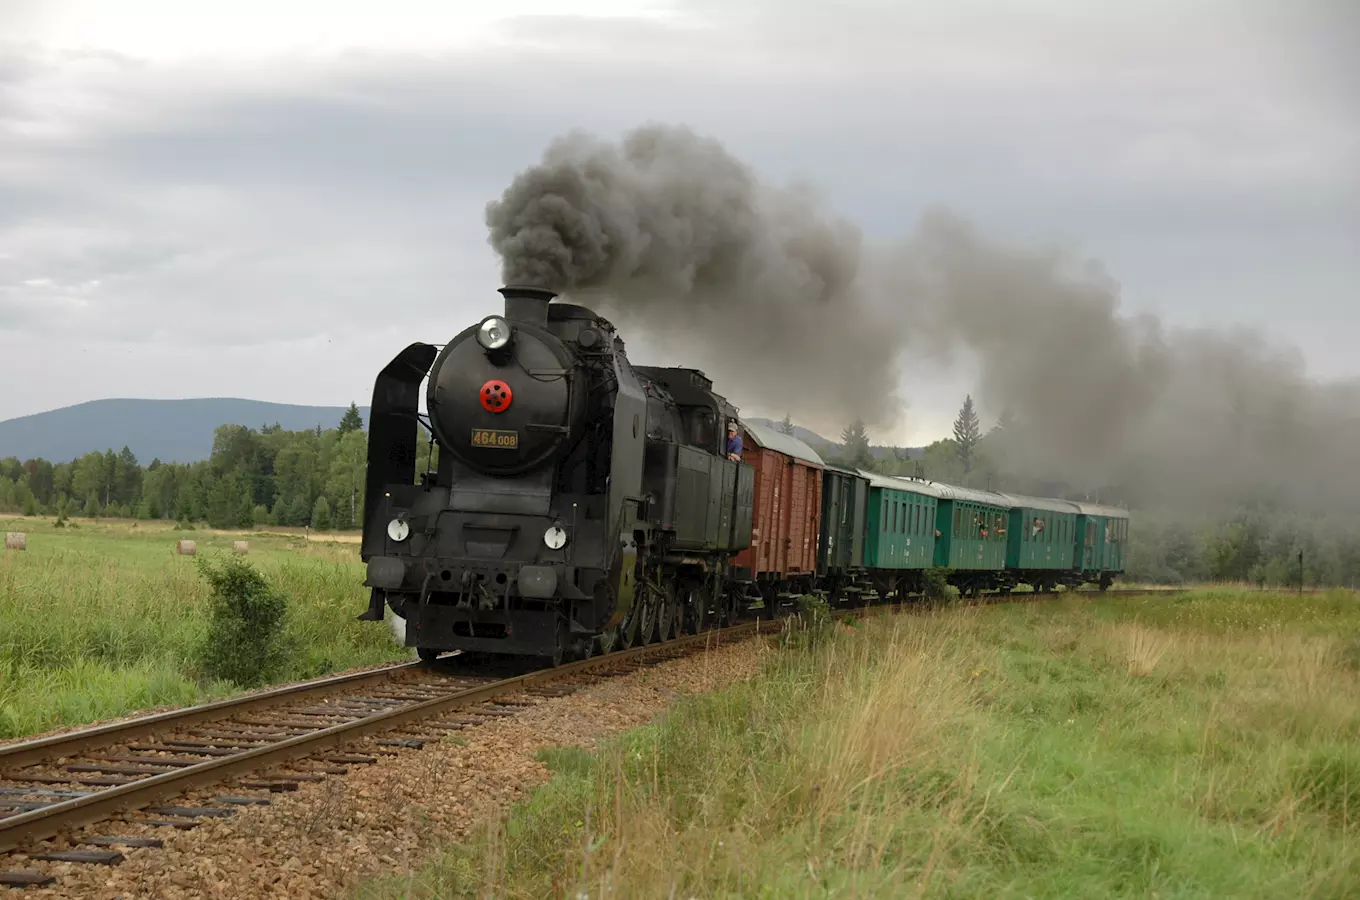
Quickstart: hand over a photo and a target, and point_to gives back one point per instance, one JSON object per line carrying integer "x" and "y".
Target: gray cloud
{"x": 1206, "y": 160}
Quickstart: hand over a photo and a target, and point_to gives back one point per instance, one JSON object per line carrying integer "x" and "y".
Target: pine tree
{"x": 321, "y": 515}
{"x": 352, "y": 421}
{"x": 786, "y": 426}
{"x": 856, "y": 442}
{"x": 967, "y": 433}
{"x": 1004, "y": 422}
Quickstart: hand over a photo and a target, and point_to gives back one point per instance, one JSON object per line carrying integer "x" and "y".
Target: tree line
{"x": 316, "y": 478}
{"x": 252, "y": 477}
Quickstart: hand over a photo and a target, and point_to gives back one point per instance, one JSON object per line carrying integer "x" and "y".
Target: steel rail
{"x": 27, "y": 752}
{"x": 36, "y": 825}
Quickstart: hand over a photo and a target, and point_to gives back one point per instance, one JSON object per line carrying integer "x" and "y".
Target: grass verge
{"x": 1198, "y": 746}
{"x": 103, "y": 619}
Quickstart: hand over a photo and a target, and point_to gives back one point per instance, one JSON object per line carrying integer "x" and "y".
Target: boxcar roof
{"x": 1095, "y": 509}
{"x": 779, "y": 442}
{"x": 1045, "y": 503}
{"x": 844, "y": 470}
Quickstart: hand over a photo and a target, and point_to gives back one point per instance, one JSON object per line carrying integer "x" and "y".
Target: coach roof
{"x": 1019, "y": 501}
{"x": 1095, "y": 509}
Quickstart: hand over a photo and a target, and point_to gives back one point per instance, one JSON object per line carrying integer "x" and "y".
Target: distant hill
{"x": 828, "y": 448}
{"x": 182, "y": 430}
{"x": 169, "y": 430}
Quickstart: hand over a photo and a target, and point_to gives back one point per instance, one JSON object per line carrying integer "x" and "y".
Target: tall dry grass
{"x": 1042, "y": 750}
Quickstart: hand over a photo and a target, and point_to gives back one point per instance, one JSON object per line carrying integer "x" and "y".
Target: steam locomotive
{"x": 581, "y": 503}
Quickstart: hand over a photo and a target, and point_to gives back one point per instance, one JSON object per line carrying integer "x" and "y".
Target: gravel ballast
{"x": 386, "y": 817}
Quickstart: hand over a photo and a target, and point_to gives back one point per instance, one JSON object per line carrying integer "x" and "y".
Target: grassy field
{"x": 101, "y": 619}
{"x": 1206, "y": 745}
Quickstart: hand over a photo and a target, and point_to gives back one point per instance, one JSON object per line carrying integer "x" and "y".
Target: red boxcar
{"x": 788, "y": 508}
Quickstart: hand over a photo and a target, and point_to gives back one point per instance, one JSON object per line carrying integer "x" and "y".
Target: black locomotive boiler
{"x": 579, "y": 503}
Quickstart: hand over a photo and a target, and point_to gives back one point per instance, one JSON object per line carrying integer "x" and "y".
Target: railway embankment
{"x": 1195, "y": 745}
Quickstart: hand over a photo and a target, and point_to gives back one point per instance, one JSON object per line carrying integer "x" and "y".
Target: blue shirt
{"x": 734, "y": 444}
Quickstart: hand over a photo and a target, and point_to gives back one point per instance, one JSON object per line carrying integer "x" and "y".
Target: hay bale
{"x": 186, "y": 548}
{"x": 16, "y": 540}
{"x": 240, "y": 546}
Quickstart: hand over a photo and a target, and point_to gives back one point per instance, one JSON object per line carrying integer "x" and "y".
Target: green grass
{"x": 1196, "y": 746}
{"x": 101, "y": 620}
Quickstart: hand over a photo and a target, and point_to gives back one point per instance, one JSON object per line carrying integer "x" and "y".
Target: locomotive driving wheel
{"x": 668, "y": 605}
{"x": 606, "y": 640}
{"x": 651, "y": 601}
{"x": 677, "y": 621}
{"x": 694, "y": 609}
{"x": 627, "y": 631}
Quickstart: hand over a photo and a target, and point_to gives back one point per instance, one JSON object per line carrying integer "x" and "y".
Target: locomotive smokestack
{"x": 527, "y": 304}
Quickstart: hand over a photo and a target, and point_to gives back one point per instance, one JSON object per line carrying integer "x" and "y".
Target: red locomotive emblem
{"x": 496, "y": 396}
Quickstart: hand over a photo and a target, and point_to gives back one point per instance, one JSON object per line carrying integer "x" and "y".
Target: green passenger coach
{"x": 1102, "y": 532}
{"x": 1040, "y": 540}
{"x": 971, "y": 529}
{"x": 901, "y": 532}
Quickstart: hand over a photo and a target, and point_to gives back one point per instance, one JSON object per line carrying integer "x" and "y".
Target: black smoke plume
{"x": 671, "y": 234}
{"x": 783, "y": 304}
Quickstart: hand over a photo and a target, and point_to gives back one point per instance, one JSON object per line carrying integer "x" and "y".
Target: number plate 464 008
{"x": 491, "y": 437}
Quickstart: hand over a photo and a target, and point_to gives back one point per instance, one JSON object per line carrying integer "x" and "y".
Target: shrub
{"x": 245, "y": 622}
{"x": 937, "y": 586}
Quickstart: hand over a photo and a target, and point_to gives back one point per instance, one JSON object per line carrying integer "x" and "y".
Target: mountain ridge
{"x": 169, "y": 430}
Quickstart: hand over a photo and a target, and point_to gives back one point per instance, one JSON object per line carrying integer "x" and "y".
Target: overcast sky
{"x": 270, "y": 199}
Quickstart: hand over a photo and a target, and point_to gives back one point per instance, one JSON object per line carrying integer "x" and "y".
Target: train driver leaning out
{"x": 733, "y": 441}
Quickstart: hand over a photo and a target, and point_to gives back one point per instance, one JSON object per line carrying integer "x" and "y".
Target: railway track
{"x": 274, "y": 740}
{"x": 269, "y": 742}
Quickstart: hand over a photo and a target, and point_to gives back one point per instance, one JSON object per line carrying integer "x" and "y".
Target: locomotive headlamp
{"x": 493, "y": 333}
{"x": 555, "y": 537}
{"x": 397, "y": 530}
